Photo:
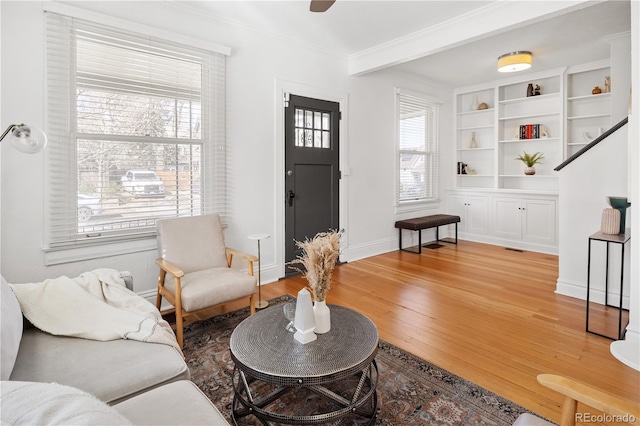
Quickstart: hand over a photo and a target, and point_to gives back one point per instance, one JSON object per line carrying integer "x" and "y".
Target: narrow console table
{"x": 609, "y": 239}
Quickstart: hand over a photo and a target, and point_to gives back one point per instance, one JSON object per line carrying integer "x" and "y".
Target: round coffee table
{"x": 335, "y": 374}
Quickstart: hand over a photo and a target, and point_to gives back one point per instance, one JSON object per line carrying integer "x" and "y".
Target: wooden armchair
{"x": 195, "y": 268}
{"x": 621, "y": 411}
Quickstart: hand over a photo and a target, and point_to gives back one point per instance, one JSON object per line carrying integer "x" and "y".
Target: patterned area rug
{"x": 410, "y": 389}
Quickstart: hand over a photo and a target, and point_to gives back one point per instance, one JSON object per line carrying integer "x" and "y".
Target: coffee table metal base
{"x": 256, "y": 397}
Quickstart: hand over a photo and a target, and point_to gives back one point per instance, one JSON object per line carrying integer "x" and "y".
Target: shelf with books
{"x": 533, "y": 140}
{"x": 530, "y": 123}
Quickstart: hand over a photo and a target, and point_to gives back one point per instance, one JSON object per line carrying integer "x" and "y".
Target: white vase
{"x": 323, "y": 317}
{"x": 474, "y": 143}
{"x": 475, "y": 104}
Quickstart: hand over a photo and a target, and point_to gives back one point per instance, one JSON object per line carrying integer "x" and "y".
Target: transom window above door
{"x": 313, "y": 129}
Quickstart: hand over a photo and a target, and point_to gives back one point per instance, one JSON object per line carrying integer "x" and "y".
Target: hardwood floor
{"x": 485, "y": 313}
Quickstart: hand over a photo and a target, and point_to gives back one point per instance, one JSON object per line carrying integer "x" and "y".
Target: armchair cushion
{"x": 11, "y": 330}
{"x": 176, "y": 239}
{"x": 229, "y": 284}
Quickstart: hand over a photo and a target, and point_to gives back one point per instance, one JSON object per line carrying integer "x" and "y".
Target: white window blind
{"x": 417, "y": 147}
{"x": 137, "y": 132}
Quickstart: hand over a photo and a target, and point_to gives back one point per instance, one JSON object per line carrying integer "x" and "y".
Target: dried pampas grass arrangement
{"x": 319, "y": 257}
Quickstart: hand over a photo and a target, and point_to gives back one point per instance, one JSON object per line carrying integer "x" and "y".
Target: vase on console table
{"x": 621, "y": 204}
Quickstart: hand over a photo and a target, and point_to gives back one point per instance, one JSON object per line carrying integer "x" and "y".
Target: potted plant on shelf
{"x": 530, "y": 160}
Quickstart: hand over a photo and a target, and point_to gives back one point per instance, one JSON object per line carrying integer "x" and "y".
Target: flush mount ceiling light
{"x": 514, "y": 61}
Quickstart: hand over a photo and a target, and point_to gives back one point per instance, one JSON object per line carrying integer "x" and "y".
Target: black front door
{"x": 312, "y": 170}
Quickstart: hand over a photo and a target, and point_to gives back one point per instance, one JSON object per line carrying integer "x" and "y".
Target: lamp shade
{"x": 25, "y": 138}
{"x": 514, "y": 61}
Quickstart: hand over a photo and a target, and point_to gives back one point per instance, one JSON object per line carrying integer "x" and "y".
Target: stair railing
{"x": 596, "y": 141}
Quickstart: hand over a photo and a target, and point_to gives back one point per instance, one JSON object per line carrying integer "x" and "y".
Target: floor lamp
{"x": 260, "y": 304}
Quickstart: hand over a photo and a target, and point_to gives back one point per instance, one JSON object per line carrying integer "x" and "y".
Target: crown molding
{"x": 494, "y": 18}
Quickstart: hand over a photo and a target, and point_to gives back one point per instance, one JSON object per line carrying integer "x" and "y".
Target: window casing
{"x": 417, "y": 142}
{"x": 136, "y": 129}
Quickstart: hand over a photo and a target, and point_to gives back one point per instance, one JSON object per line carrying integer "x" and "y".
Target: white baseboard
{"x": 578, "y": 290}
{"x": 503, "y": 242}
{"x": 362, "y": 251}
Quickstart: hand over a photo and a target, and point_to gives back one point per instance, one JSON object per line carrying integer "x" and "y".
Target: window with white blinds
{"x": 417, "y": 147}
{"x": 137, "y": 132}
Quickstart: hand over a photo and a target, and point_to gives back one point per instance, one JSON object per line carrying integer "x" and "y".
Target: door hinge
{"x": 286, "y": 100}
{"x": 339, "y": 115}
{"x": 339, "y": 174}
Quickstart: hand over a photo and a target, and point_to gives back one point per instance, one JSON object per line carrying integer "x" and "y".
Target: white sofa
{"x": 143, "y": 383}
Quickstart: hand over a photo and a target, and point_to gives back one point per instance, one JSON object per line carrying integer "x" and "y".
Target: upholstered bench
{"x": 426, "y": 222}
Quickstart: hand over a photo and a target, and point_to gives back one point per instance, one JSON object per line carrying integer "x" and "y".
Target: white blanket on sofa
{"x": 96, "y": 305}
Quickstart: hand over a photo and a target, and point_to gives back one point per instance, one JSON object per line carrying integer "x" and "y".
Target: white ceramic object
{"x": 323, "y": 317}
{"x": 305, "y": 321}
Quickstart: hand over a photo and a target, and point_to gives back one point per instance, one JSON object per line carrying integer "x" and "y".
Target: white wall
{"x": 628, "y": 350}
{"x": 584, "y": 186}
{"x": 256, "y": 66}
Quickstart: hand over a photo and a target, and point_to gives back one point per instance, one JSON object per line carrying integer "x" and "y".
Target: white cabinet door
{"x": 459, "y": 208}
{"x": 473, "y": 211}
{"x": 477, "y": 214}
{"x": 507, "y": 218}
{"x": 523, "y": 221}
{"x": 539, "y": 221}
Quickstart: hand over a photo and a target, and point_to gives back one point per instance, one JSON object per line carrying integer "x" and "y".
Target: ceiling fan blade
{"x": 321, "y": 5}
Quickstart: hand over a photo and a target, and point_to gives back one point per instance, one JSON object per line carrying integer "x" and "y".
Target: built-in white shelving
{"x": 588, "y": 114}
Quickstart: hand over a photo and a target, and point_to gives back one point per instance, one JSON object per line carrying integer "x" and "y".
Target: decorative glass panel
{"x": 326, "y": 122}
{"x": 326, "y": 140}
{"x": 299, "y": 118}
{"x": 308, "y": 136}
{"x": 312, "y": 129}
{"x": 299, "y": 137}
{"x": 317, "y": 120}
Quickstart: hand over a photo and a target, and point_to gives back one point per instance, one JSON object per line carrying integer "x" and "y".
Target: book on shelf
{"x": 529, "y": 131}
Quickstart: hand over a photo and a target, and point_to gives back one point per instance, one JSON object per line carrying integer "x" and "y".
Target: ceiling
{"x": 351, "y": 27}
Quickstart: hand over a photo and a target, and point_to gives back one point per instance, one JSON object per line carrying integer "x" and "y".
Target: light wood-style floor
{"x": 485, "y": 313}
